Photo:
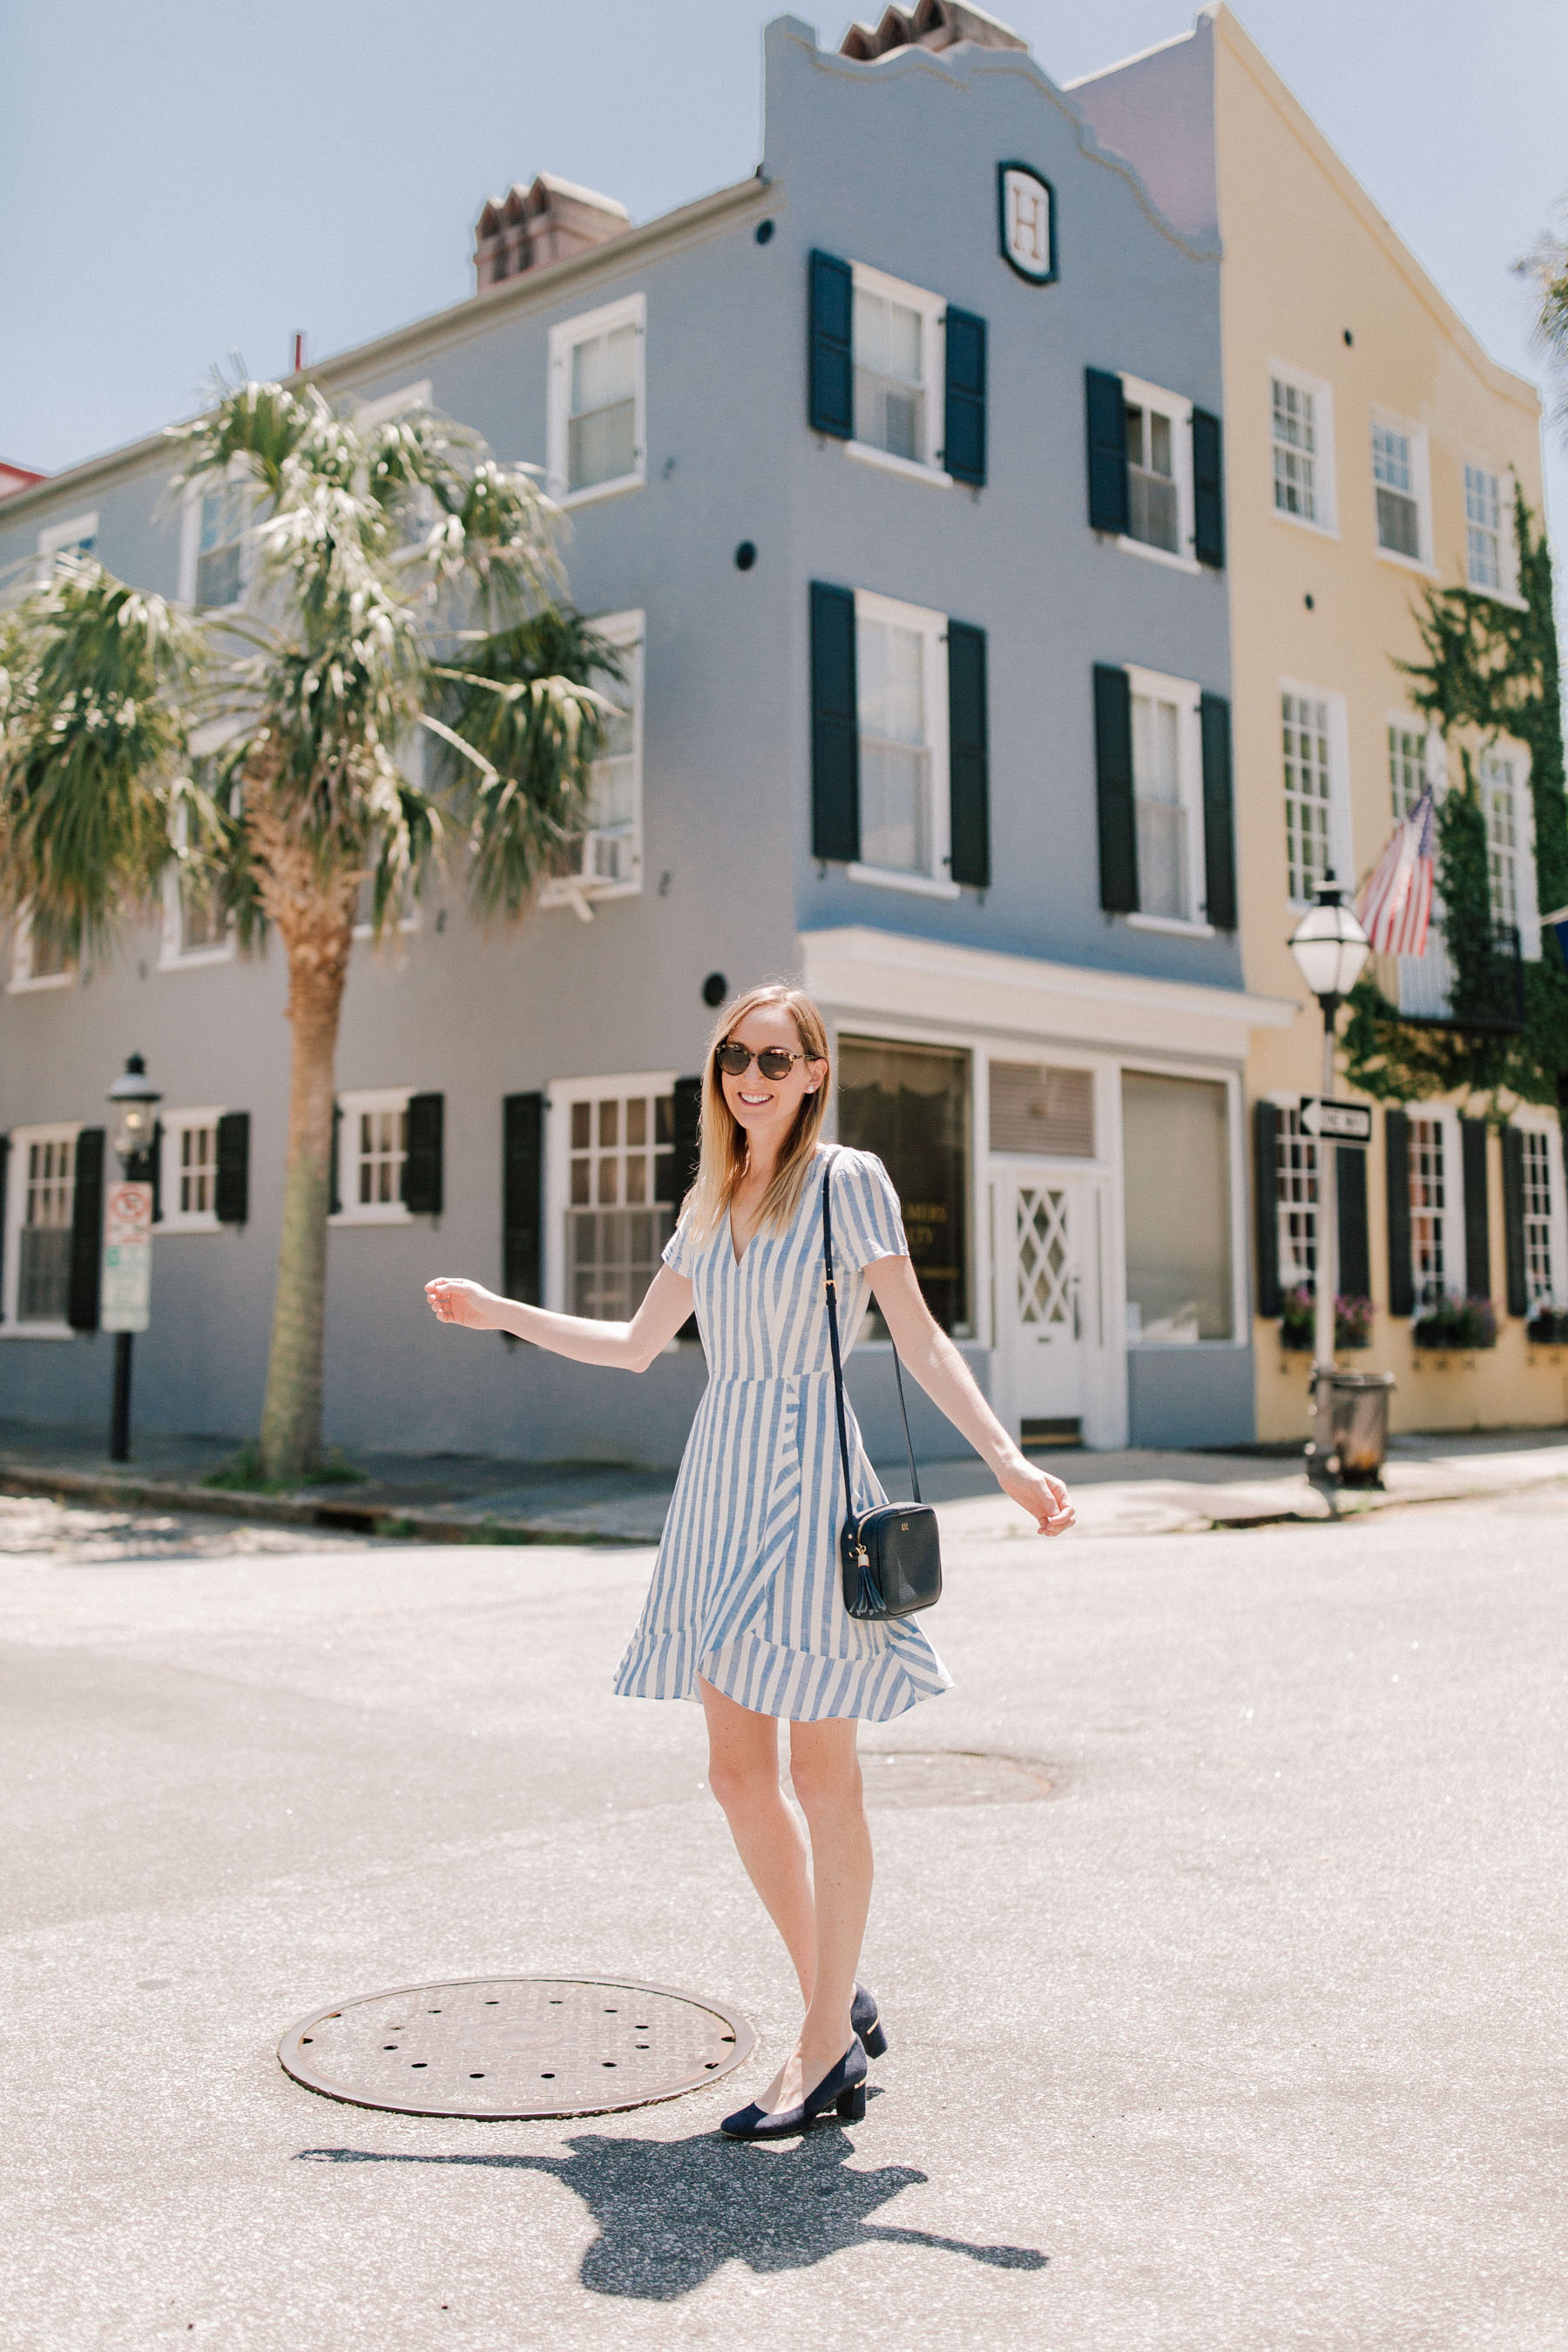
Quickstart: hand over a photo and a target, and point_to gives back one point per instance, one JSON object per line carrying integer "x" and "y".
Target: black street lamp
{"x": 1329, "y": 948}
{"x": 134, "y": 1102}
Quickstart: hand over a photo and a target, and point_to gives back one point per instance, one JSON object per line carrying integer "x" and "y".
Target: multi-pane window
{"x": 1153, "y": 501}
{"x": 596, "y": 438}
{"x": 196, "y": 923}
{"x": 221, "y": 520}
{"x": 1309, "y": 791}
{"x": 619, "y": 1210}
{"x": 1540, "y": 1264}
{"x": 44, "y": 1242}
{"x": 909, "y": 1105}
{"x": 1428, "y": 1212}
{"x": 372, "y": 1147}
{"x": 188, "y": 1171}
{"x": 1165, "y": 844}
{"x": 1500, "y": 799}
{"x": 1483, "y": 529}
{"x": 606, "y": 857}
{"x": 1406, "y": 766}
{"x": 890, "y": 374}
{"x": 1296, "y": 1199}
{"x": 1295, "y": 438}
{"x": 900, "y": 683}
{"x": 1394, "y": 473}
{"x": 197, "y": 1170}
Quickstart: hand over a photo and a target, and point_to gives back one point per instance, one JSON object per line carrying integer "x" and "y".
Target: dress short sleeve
{"x": 680, "y": 1250}
{"x": 867, "y": 1224}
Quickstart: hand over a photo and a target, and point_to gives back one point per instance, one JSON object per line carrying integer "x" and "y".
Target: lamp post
{"x": 128, "y": 1236}
{"x": 1329, "y": 948}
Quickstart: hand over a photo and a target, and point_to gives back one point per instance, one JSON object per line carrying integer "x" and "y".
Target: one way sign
{"x": 1337, "y": 1122}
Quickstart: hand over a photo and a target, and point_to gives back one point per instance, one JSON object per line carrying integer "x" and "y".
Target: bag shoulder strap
{"x": 838, "y": 1361}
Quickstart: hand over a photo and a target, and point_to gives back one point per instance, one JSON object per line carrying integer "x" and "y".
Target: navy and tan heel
{"x": 868, "y": 2024}
{"x": 843, "y": 2088}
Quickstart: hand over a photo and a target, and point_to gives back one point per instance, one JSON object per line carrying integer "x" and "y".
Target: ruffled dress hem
{"x": 801, "y": 1685}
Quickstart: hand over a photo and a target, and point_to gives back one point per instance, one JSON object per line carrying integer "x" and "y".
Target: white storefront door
{"x": 1048, "y": 1281}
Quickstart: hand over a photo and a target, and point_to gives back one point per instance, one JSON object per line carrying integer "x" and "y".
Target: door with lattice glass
{"x": 1046, "y": 1301}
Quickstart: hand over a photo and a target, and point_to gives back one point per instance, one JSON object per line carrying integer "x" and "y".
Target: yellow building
{"x": 1372, "y": 446}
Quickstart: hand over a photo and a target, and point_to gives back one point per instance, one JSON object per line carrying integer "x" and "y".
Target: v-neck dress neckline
{"x": 746, "y": 1588}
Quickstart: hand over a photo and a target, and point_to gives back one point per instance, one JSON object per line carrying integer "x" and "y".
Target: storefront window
{"x": 1176, "y": 1181}
{"x": 909, "y": 1105}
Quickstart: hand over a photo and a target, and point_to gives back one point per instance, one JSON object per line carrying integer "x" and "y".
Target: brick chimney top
{"x": 929, "y": 25}
{"x": 549, "y": 221}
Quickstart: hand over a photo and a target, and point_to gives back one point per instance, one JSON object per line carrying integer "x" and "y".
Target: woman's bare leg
{"x": 826, "y": 1771}
{"x": 744, "y": 1774}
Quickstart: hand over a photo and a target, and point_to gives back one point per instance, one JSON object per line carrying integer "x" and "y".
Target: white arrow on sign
{"x": 1337, "y": 1122}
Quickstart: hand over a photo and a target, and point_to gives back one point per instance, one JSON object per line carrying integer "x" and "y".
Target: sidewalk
{"x": 469, "y": 1498}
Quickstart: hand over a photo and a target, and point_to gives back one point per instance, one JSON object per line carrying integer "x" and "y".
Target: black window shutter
{"x": 155, "y": 1170}
{"x": 86, "y": 1229}
{"x": 830, "y": 396}
{"x": 1477, "y": 1235}
{"x": 688, "y": 1125}
{"x": 334, "y": 1197}
{"x": 835, "y": 725}
{"x": 1107, "y": 413}
{"x": 422, "y": 1161}
{"x": 964, "y": 395}
{"x": 1513, "y": 1219}
{"x": 1219, "y": 817}
{"x": 1397, "y": 1171}
{"x": 1113, "y": 783}
{"x": 231, "y": 1190}
{"x": 5, "y": 1163}
{"x": 1208, "y": 489}
{"x": 968, "y": 754}
{"x": 1265, "y": 1193}
{"x": 522, "y": 1198}
{"x": 1355, "y": 1242}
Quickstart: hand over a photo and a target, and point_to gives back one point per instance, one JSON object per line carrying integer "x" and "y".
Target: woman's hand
{"x": 453, "y": 1300}
{"x": 1043, "y": 1498}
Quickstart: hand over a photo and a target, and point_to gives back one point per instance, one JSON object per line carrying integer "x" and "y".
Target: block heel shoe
{"x": 868, "y": 2024}
{"x": 843, "y": 2088}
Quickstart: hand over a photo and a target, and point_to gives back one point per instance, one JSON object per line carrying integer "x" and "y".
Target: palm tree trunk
{"x": 314, "y": 919}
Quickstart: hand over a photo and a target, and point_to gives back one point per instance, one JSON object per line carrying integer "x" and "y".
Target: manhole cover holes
{"x": 508, "y": 2047}
{"x": 915, "y": 1777}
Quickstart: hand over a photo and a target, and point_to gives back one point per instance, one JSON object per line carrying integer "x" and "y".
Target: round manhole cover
{"x": 508, "y": 2047}
{"x": 948, "y": 1776}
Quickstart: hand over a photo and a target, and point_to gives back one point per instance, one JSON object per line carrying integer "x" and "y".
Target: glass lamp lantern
{"x": 1329, "y": 945}
{"x": 134, "y": 1102}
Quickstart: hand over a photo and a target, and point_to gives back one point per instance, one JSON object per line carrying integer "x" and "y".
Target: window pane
{"x": 1161, "y": 818}
{"x": 1304, "y": 727}
{"x": 890, "y": 402}
{"x": 1428, "y": 1206}
{"x": 1499, "y": 801}
{"x": 909, "y": 1105}
{"x": 895, "y": 765}
{"x": 1540, "y": 1269}
{"x": 1296, "y": 1197}
{"x": 1407, "y": 768}
{"x": 1176, "y": 1174}
{"x": 1295, "y": 447}
{"x": 602, "y": 419}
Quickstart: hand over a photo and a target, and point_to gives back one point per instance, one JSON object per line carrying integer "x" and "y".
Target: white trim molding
{"x": 369, "y": 1101}
{"x": 932, "y": 310}
{"x": 1152, "y": 399}
{"x": 174, "y": 1179}
{"x": 631, "y": 310}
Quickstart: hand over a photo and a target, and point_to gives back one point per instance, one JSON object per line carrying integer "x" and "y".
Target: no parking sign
{"x": 127, "y": 1292}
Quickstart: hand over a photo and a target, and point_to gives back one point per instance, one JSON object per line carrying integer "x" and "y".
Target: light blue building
{"x": 896, "y": 471}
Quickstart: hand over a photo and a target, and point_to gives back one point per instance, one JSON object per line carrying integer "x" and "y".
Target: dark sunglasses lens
{"x": 733, "y": 1060}
{"x": 773, "y": 1063}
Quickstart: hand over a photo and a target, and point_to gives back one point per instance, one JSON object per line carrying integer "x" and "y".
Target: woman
{"x": 745, "y": 1609}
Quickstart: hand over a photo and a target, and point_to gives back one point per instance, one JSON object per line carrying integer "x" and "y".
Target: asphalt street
{"x": 1249, "y": 2035}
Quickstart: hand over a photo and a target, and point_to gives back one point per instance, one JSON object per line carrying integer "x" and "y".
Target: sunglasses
{"x": 773, "y": 1062}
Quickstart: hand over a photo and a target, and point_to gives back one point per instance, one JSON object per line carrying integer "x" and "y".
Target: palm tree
{"x": 405, "y": 683}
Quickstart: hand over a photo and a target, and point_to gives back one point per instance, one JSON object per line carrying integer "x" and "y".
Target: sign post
{"x": 126, "y": 1294}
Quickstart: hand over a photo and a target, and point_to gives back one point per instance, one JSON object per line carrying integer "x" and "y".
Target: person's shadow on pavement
{"x": 671, "y": 2211}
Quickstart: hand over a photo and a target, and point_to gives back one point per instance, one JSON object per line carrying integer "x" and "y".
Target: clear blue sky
{"x": 195, "y": 178}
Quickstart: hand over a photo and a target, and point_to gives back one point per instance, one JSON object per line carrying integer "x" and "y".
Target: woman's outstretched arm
{"x": 628, "y": 1347}
{"x": 947, "y": 1380}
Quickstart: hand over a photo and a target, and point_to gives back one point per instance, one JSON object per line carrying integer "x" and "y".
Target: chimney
{"x": 548, "y": 222}
{"x": 929, "y": 25}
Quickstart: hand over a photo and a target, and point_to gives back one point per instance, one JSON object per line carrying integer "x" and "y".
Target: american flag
{"x": 1395, "y": 905}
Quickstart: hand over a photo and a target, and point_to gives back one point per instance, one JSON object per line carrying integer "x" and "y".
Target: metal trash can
{"x": 1357, "y": 1428}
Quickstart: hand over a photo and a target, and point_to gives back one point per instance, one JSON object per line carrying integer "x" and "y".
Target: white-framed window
{"x": 1401, "y": 489}
{"x": 39, "y": 958}
{"x": 40, "y": 1206}
{"x": 198, "y": 929}
{"x": 1167, "y": 799}
{"x": 1545, "y": 1263}
{"x": 605, "y": 861}
{"x": 900, "y": 362}
{"x": 1302, "y": 436}
{"x": 598, "y": 433}
{"x": 1436, "y": 1231}
{"x": 1502, "y": 779}
{"x": 1484, "y": 519}
{"x": 1158, "y": 472}
{"x": 611, "y": 1147}
{"x": 78, "y": 535}
{"x": 188, "y": 1173}
{"x": 1409, "y": 746}
{"x": 373, "y": 1145}
{"x": 1314, "y": 766}
{"x": 1296, "y": 1198}
{"x": 900, "y": 656}
{"x": 215, "y": 554}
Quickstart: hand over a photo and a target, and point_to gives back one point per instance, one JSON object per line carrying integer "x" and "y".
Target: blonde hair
{"x": 722, "y": 1160}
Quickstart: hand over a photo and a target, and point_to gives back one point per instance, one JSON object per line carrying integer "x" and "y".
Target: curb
{"x": 297, "y": 1510}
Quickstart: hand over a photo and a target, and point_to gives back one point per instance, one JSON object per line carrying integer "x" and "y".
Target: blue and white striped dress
{"x": 746, "y": 1587}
